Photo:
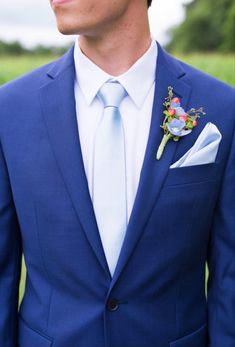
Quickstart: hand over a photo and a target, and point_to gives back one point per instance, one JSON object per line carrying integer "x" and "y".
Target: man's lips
{"x": 59, "y": 2}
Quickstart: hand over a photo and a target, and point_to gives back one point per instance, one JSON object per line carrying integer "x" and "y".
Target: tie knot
{"x": 111, "y": 94}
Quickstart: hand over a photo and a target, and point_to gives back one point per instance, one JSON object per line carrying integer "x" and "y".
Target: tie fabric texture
{"x": 109, "y": 186}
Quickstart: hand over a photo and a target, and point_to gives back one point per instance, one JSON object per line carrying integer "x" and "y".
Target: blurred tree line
{"x": 209, "y": 25}
{"x": 16, "y": 48}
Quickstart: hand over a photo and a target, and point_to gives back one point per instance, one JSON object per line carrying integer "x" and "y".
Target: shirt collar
{"x": 137, "y": 81}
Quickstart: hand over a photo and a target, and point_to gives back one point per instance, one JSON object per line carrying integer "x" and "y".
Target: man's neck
{"x": 116, "y": 50}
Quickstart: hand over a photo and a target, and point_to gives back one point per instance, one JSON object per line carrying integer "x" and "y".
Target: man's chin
{"x": 67, "y": 31}
{"x": 65, "y": 28}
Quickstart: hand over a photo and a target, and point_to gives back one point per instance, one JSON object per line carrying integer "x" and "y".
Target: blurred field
{"x": 14, "y": 66}
{"x": 22, "y": 282}
{"x": 220, "y": 66}
{"x": 217, "y": 65}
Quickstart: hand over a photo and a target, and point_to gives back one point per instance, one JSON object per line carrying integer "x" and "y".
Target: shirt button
{"x": 112, "y": 305}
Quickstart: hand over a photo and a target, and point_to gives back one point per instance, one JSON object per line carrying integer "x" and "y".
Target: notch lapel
{"x": 59, "y": 113}
{"x": 153, "y": 171}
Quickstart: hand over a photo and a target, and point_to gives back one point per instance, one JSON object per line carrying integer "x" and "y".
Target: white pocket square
{"x": 204, "y": 150}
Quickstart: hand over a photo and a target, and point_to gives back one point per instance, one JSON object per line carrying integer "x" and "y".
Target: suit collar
{"x": 59, "y": 66}
{"x": 172, "y": 64}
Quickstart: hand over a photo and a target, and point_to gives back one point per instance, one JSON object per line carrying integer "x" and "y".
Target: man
{"x": 116, "y": 241}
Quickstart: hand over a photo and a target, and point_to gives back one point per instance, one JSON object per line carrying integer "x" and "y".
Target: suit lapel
{"x": 153, "y": 171}
{"x": 58, "y": 104}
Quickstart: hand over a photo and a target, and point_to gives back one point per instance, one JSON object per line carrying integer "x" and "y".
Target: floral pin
{"x": 177, "y": 123}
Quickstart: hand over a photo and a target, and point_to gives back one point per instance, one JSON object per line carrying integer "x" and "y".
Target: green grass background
{"x": 217, "y": 65}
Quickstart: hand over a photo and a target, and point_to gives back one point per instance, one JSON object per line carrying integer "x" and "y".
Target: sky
{"x": 32, "y": 21}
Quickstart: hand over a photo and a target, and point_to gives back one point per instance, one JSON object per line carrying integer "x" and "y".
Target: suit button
{"x": 112, "y": 305}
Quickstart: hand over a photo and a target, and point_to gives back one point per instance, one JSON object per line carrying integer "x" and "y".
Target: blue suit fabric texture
{"x": 181, "y": 219}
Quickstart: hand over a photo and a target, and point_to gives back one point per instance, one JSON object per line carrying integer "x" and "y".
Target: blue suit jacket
{"x": 181, "y": 218}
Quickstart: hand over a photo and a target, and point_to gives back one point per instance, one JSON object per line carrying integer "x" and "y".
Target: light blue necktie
{"x": 109, "y": 186}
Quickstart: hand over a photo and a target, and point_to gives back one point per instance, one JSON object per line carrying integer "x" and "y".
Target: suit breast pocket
{"x": 192, "y": 174}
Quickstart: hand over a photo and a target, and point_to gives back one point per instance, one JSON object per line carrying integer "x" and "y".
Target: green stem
{"x": 162, "y": 146}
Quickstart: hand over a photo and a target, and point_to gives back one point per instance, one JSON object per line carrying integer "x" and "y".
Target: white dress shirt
{"x": 136, "y": 110}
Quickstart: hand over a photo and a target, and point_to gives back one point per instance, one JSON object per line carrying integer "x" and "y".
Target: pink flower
{"x": 184, "y": 118}
{"x": 171, "y": 111}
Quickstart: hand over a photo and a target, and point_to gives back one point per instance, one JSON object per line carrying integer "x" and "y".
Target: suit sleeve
{"x": 221, "y": 262}
{"x": 10, "y": 261}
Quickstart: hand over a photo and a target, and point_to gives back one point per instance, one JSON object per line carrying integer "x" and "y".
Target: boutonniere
{"x": 177, "y": 123}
